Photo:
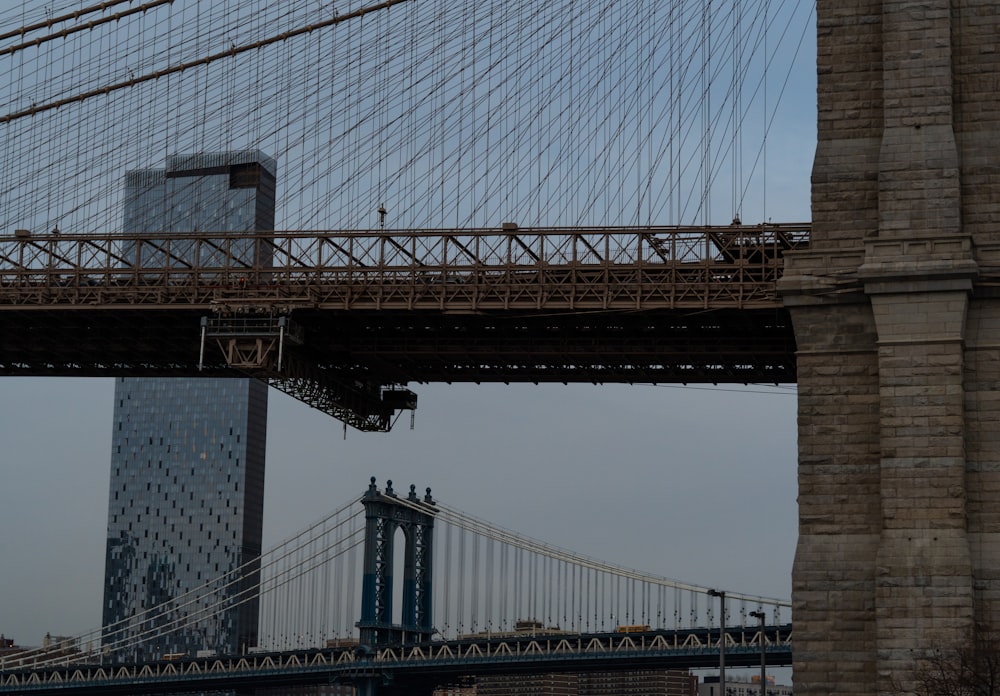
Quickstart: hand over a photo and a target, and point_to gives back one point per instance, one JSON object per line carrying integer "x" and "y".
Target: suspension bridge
{"x": 440, "y": 115}
{"x": 488, "y": 193}
{"x": 468, "y": 194}
{"x": 564, "y": 117}
{"x": 403, "y": 591}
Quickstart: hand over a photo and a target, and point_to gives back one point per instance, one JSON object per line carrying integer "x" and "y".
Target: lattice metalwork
{"x": 479, "y": 270}
{"x": 376, "y": 310}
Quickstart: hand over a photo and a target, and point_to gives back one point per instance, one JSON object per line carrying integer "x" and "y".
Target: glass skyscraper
{"x": 187, "y": 461}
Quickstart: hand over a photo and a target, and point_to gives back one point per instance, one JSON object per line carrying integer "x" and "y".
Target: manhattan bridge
{"x": 467, "y": 192}
{"x": 473, "y": 600}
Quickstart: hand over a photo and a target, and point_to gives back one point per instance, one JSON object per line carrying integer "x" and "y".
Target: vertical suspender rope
{"x": 504, "y": 585}
{"x": 739, "y": 108}
{"x": 602, "y": 597}
{"x": 574, "y": 607}
{"x": 519, "y": 584}
{"x": 533, "y": 584}
{"x": 323, "y": 589}
{"x": 474, "y": 599}
{"x": 767, "y": 61}
{"x": 461, "y": 581}
{"x": 311, "y": 617}
{"x": 342, "y": 602}
{"x": 564, "y": 588}
{"x": 616, "y": 609}
{"x": 708, "y": 114}
{"x": 380, "y": 97}
{"x": 353, "y": 606}
{"x": 448, "y": 570}
{"x": 646, "y": 614}
{"x": 551, "y": 579}
{"x": 490, "y": 603}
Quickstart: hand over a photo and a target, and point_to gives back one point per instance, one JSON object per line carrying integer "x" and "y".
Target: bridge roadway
{"x": 344, "y": 320}
{"x": 415, "y": 669}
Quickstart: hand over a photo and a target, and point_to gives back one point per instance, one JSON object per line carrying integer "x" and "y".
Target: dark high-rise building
{"x": 528, "y": 685}
{"x": 187, "y": 461}
{"x": 660, "y": 682}
{"x": 650, "y": 682}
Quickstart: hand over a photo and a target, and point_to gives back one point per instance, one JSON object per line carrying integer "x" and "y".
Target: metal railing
{"x": 490, "y": 269}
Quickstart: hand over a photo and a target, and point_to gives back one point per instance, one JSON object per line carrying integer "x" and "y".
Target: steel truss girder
{"x": 411, "y": 668}
{"x": 383, "y": 308}
{"x": 449, "y": 270}
{"x": 250, "y": 342}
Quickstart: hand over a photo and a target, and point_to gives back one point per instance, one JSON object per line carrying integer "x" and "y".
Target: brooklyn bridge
{"x": 484, "y": 192}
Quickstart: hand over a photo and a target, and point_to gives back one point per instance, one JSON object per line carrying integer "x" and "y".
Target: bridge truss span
{"x": 568, "y": 269}
{"x": 437, "y": 662}
{"x": 345, "y": 320}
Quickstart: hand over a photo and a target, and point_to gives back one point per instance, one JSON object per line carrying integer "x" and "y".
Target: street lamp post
{"x": 722, "y": 639}
{"x": 760, "y": 616}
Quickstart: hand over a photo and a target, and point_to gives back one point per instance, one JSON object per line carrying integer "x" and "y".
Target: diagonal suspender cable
{"x": 181, "y": 67}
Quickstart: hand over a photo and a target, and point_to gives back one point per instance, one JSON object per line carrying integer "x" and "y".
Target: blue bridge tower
{"x": 385, "y": 514}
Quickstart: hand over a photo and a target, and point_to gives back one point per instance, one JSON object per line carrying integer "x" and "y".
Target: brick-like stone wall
{"x": 982, "y": 444}
{"x": 899, "y": 344}
{"x": 833, "y": 577}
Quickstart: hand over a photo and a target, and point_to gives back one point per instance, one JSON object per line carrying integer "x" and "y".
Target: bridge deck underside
{"x": 384, "y": 347}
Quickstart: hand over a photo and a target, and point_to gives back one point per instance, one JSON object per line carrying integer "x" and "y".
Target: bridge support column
{"x": 899, "y": 343}
{"x": 889, "y": 497}
{"x": 833, "y": 576}
{"x": 923, "y": 568}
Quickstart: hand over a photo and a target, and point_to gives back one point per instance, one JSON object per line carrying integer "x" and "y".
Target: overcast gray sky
{"x": 695, "y": 483}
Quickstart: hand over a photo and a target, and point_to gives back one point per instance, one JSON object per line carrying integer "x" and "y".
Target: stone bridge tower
{"x": 897, "y": 320}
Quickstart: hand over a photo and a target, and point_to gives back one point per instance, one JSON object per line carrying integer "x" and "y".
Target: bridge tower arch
{"x": 385, "y": 513}
{"x": 897, "y": 327}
